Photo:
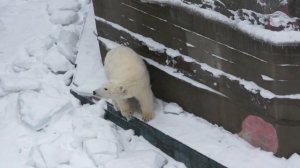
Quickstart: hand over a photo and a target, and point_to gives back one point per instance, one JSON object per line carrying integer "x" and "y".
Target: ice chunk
{"x": 54, "y": 155}
{"x": 101, "y": 159}
{"x": 16, "y": 83}
{"x": 173, "y": 108}
{"x": 23, "y": 63}
{"x": 68, "y": 51}
{"x": 38, "y": 47}
{"x": 35, "y": 159}
{"x": 81, "y": 160}
{"x": 56, "y": 5}
{"x": 88, "y": 127}
{"x": 101, "y": 151}
{"x": 84, "y": 2}
{"x": 2, "y": 27}
{"x": 138, "y": 159}
{"x": 68, "y": 37}
{"x": 100, "y": 146}
{"x": 37, "y": 109}
{"x": 67, "y": 42}
{"x": 57, "y": 62}
{"x": 64, "y": 17}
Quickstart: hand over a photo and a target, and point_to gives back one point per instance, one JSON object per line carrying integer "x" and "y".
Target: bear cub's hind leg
{"x": 145, "y": 100}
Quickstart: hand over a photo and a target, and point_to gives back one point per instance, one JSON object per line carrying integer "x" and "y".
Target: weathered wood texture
{"x": 219, "y": 46}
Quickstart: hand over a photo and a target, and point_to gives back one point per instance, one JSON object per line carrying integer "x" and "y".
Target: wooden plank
{"x": 204, "y": 50}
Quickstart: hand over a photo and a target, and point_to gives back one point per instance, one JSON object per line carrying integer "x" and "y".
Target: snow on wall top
{"x": 158, "y": 47}
{"x": 276, "y": 28}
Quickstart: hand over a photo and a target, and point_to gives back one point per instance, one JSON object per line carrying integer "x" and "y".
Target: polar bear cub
{"x": 127, "y": 78}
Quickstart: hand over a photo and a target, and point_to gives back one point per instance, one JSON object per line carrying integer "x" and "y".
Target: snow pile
{"x": 14, "y": 83}
{"x": 63, "y": 12}
{"x": 145, "y": 159}
{"x": 36, "y": 109}
{"x": 173, "y": 108}
{"x": 43, "y": 124}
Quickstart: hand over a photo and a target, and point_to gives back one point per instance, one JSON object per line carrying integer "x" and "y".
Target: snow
{"x": 36, "y": 109}
{"x": 173, "y": 108}
{"x": 57, "y": 62}
{"x": 145, "y": 159}
{"x": 15, "y": 83}
{"x": 44, "y": 126}
{"x": 56, "y": 5}
{"x": 63, "y": 17}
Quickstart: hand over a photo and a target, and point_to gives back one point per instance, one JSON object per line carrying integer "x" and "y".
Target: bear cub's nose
{"x": 94, "y": 93}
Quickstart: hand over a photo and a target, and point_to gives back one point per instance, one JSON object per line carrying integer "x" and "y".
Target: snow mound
{"x": 37, "y": 109}
{"x": 23, "y": 63}
{"x": 101, "y": 151}
{"x": 56, "y": 5}
{"x": 38, "y": 47}
{"x": 15, "y": 83}
{"x": 2, "y": 27}
{"x": 60, "y": 152}
{"x": 173, "y": 108}
{"x": 57, "y": 62}
{"x": 100, "y": 146}
{"x": 64, "y": 17}
{"x": 67, "y": 44}
{"x": 138, "y": 159}
{"x": 68, "y": 51}
{"x": 88, "y": 127}
{"x": 68, "y": 37}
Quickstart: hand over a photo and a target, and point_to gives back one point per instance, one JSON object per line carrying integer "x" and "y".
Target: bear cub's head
{"x": 112, "y": 90}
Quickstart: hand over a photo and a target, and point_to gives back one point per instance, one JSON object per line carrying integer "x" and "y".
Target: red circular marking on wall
{"x": 259, "y": 133}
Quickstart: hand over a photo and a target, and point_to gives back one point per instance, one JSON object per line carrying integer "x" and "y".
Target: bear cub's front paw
{"x": 127, "y": 113}
{"x": 147, "y": 116}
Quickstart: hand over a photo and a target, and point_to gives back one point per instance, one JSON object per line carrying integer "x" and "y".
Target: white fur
{"x": 127, "y": 78}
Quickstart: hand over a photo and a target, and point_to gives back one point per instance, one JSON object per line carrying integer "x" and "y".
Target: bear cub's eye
{"x": 105, "y": 89}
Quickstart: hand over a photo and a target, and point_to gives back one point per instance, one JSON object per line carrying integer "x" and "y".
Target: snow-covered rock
{"x": 37, "y": 109}
{"x": 138, "y": 159}
{"x": 64, "y": 17}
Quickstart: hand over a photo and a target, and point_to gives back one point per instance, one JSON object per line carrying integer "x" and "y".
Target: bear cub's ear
{"x": 123, "y": 90}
